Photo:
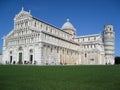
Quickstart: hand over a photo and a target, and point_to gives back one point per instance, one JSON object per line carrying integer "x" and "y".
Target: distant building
{"x": 33, "y": 41}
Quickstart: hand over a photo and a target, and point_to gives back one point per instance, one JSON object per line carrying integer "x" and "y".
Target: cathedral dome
{"x": 67, "y": 25}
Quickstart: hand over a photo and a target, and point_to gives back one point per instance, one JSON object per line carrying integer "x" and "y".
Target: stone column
{"x": 38, "y": 54}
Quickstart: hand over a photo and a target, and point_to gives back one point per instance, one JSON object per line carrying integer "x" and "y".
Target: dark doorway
{"x": 10, "y": 59}
{"x": 20, "y": 58}
{"x": 31, "y": 59}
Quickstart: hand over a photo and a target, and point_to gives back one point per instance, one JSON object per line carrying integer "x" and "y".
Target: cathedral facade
{"x": 33, "y": 41}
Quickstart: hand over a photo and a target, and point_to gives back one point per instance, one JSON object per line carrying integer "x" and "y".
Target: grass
{"x": 59, "y": 77}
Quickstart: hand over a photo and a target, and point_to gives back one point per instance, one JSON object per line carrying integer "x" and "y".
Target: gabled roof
{"x": 22, "y": 14}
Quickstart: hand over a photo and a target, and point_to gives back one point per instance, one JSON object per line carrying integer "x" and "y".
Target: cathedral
{"x": 35, "y": 42}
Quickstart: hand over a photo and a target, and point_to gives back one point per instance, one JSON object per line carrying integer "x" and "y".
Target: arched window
{"x": 31, "y": 50}
{"x": 20, "y": 48}
{"x": 85, "y": 55}
{"x": 83, "y": 39}
{"x": 22, "y": 32}
{"x": 51, "y": 30}
{"x": 57, "y": 50}
{"x": 46, "y": 28}
{"x": 10, "y": 52}
{"x": 26, "y": 23}
{"x": 35, "y": 24}
{"x": 67, "y": 52}
{"x": 51, "y": 49}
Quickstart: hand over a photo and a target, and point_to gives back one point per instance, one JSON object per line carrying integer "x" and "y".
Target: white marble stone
{"x": 33, "y": 41}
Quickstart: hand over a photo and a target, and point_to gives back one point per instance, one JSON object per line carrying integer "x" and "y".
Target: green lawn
{"x": 59, "y": 77}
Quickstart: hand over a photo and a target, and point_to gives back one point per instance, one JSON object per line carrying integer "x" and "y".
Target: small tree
{"x": 117, "y": 60}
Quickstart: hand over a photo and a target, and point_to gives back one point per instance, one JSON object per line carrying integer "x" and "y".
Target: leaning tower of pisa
{"x": 108, "y": 38}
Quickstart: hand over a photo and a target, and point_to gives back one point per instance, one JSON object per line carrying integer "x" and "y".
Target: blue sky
{"x": 87, "y": 16}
